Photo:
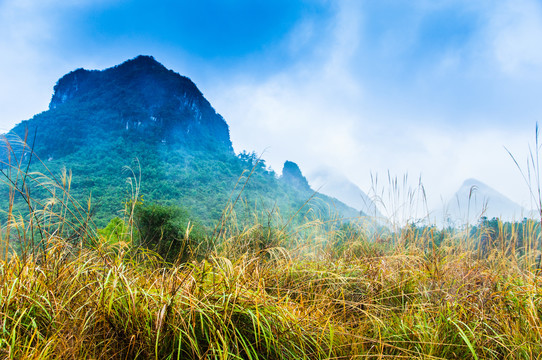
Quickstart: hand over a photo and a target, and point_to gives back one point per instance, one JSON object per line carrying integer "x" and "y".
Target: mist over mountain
{"x": 473, "y": 200}
{"x": 177, "y": 148}
{"x": 336, "y": 185}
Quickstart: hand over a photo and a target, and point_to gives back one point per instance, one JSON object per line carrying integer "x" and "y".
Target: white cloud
{"x": 305, "y": 113}
{"x": 318, "y": 113}
{"x": 516, "y": 30}
{"x": 32, "y": 34}
{"x": 25, "y": 35}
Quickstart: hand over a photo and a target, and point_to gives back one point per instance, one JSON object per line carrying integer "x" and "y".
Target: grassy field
{"x": 260, "y": 289}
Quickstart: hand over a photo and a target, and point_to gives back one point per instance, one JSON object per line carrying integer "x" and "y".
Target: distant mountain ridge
{"x": 99, "y": 120}
{"x": 474, "y": 199}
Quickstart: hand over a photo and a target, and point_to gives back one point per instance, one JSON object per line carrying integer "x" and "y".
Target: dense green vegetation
{"x": 196, "y": 181}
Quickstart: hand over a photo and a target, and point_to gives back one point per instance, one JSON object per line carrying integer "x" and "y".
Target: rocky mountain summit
{"x": 139, "y": 97}
{"x": 293, "y": 176}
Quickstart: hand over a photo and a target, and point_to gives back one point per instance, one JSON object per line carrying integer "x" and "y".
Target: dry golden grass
{"x": 318, "y": 291}
{"x": 368, "y": 300}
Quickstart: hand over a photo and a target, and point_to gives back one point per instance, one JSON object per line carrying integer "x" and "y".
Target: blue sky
{"x": 430, "y": 87}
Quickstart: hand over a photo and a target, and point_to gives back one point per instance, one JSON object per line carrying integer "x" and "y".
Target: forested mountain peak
{"x": 138, "y": 96}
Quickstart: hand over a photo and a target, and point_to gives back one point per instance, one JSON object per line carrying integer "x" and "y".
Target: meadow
{"x": 259, "y": 288}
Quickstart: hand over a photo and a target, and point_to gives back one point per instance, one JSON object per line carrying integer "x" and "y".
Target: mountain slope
{"x": 338, "y": 186}
{"x": 141, "y": 115}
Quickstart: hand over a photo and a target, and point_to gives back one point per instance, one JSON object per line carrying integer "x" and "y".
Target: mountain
{"x": 474, "y": 199}
{"x": 141, "y": 121}
{"x": 331, "y": 183}
{"x": 140, "y": 97}
{"x": 292, "y": 175}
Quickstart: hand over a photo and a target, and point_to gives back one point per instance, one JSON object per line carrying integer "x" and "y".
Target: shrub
{"x": 115, "y": 231}
{"x": 169, "y": 231}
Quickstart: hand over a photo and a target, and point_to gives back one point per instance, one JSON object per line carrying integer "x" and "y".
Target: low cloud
{"x": 322, "y": 111}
